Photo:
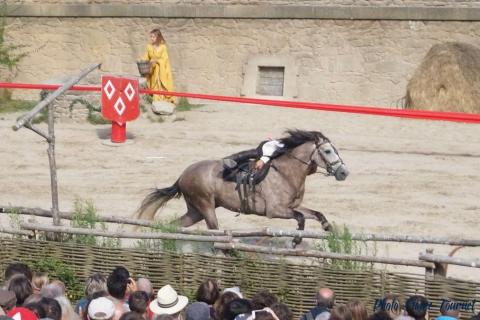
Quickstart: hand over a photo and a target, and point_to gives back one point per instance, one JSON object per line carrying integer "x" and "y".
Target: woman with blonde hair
{"x": 160, "y": 77}
{"x": 39, "y": 280}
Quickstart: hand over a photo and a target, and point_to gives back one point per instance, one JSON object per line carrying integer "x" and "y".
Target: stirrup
{"x": 229, "y": 163}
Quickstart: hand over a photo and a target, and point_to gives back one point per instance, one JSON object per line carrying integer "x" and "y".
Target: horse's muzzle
{"x": 341, "y": 173}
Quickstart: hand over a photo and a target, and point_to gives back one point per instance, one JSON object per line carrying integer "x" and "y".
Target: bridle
{"x": 328, "y": 166}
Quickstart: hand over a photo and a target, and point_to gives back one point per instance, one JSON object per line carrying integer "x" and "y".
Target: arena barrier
{"x": 294, "y": 284}
{"x": 433, "y": 265}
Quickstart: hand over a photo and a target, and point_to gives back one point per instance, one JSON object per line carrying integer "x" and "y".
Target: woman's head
{"x": 95, "y": 283}
{"x": 224, "y": 299}
{"x": 22, "y": 287}
{"x": 208, "y": 292}
{"x": 39, "y": 280}
{"x": 156, "y": 36}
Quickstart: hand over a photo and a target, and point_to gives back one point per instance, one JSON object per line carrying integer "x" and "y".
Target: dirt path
{"x": 407, "y": 176}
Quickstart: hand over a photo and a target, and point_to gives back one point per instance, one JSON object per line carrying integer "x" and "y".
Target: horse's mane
{"x": 297, "y": 137}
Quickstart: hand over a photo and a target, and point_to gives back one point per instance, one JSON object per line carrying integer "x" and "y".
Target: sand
{"x": 407, "y": 176}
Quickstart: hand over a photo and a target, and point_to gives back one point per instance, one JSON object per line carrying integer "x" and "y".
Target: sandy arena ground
{"x": 406, "y": 176}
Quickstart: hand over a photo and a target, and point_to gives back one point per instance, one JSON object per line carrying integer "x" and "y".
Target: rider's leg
{"x": 233, "y": 160}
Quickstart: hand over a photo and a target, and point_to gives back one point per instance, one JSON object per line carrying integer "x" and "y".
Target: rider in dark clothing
{"x": 263, "y": 153}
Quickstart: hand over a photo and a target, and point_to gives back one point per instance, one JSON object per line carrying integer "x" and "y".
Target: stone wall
{"x": 360, "y": 62}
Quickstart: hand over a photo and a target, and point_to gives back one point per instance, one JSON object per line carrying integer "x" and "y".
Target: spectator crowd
{"x": 28, "y": 295}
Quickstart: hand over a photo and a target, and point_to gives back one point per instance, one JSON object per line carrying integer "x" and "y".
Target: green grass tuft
{"x": 11, "y": 106}
{"x": 184, "y": 105}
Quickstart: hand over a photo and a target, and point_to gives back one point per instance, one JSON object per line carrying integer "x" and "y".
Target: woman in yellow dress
{"x": 160, "y": 77}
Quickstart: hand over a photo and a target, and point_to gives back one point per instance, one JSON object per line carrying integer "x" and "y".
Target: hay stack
{"x": 447, "y": 80}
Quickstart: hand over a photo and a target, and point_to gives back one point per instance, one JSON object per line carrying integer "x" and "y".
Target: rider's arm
{"x": 269, "y": 148}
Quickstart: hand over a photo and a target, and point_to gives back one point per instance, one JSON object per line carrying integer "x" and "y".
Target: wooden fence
{"x": 294, "y": 284}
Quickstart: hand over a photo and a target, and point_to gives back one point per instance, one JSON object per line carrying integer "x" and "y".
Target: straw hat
{"x": 168, "y": 301}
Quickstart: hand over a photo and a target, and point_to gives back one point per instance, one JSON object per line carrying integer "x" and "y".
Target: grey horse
{"x": 279, "y": 195}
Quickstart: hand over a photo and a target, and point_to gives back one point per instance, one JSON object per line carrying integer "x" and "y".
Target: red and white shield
{"x": 120, "y": 99}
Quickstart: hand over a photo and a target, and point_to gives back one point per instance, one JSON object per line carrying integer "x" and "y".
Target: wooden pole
{"x": 123, "y": 234}
{"x": 38, "y": 212}
{"x": 52, "y": 96}
{"x": 265, "y": 232}
{"x": 16, "y": 232}
{"x": 321, "y": 254}
{"x": 52, "y": 164}
{"x": 25, "y": 120}
{"x": 360, "y": 237}
{"x": 474, "y": 263}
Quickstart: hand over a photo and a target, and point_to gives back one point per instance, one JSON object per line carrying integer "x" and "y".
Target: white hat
{"x": 168, "y": 301}
{"x": 235, "y": 290}
{"x": 101, "y": 309}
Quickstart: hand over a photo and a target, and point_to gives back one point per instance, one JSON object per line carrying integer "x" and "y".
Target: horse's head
{"x": 326, "y": 156}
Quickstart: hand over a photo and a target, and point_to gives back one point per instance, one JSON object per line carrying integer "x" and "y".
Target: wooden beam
{"x": 322, "y": 254}
{"x": 52, "y": 96}
{"x": 123, "y": 234}
{"x": 474, "y": 263}
{"x": 264, "y": 232}
{"x": 15, "y": 231}
{"x": 38, "y": 212}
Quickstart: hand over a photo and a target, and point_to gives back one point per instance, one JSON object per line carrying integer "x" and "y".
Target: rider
{"x": 263, "y": 153}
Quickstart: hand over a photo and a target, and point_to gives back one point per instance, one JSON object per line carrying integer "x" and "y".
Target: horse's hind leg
{"x": 205, "y": 207}
{"x": 190, "y": 218}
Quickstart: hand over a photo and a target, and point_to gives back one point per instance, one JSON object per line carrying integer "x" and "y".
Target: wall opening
{"x": 272, "y": 77}
{"x": 270, "y": 81}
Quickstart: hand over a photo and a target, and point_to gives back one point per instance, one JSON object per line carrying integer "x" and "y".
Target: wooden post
{"x": 429, "y": 271}
{"x": 25, "y": 120}
{"x": 52, "y": 163}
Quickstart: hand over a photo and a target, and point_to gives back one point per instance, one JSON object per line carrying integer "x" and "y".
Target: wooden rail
{"x": 263, "y": 232}
{"x": 123, "y": 234}
{"x": 322, "y": 254}
{"x": 474, "y": 263}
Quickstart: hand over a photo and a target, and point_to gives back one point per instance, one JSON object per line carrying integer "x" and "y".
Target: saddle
{"x": 246, "y": 177}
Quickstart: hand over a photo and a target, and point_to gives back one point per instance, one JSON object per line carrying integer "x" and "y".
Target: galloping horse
{"x": 279, "y": 195}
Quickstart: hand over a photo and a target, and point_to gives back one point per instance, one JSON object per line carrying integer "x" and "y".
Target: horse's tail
{"x": 157, "y": 199}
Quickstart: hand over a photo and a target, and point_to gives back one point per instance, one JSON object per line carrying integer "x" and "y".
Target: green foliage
{"x": 57, "y": 270}
{"x": 190, "y": 293}
{"x": 184, "y": 105}
{"x": 94, "y": 112}
{"x": 9, "y": 56}
{"x": 9, "y": 106}
{"x": 85, "y": 216}
{"x": 15, "y": 220}
{"x": 340, "y": 241}
{"x": 158, "y": 244}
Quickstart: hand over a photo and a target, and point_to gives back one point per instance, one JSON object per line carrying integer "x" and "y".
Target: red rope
{"x": 415, "y": 114}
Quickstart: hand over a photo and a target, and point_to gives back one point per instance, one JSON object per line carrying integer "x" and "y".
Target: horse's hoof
{"x": 296, "y": 241}
{"x": 326, "y": 226}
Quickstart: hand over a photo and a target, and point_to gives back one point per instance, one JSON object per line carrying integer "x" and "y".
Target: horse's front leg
{"x": 317, "y": 215}
{"x": 283, "y": 212}
{"x": 301, "y": 226}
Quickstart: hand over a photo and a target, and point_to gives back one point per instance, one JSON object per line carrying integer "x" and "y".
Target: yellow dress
{"x": 160, "y": 77}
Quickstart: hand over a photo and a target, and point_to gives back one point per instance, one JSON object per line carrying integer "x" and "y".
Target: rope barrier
{"x": 412, "y": 114}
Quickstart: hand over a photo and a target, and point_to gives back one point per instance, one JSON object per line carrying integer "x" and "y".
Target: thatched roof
{"x": 448, "y": 79}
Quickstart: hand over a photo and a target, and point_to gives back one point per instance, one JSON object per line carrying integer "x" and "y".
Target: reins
{"x": 328, "y": 165}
